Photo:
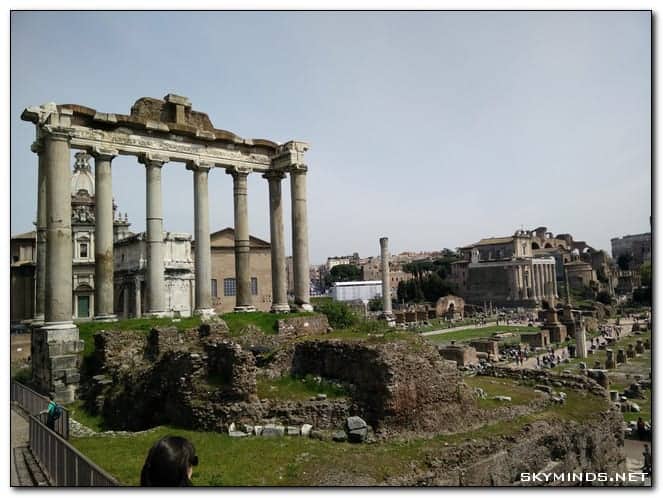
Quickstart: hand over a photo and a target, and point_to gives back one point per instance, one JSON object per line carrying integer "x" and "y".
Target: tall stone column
{"x": 42, "y": 227}
{"x": 58, "y": 288}
{"x": 300, "y": 236}
{"x": 103, "y": 236}
{"x": 243, "y": 301}
{"x": 56, "y": 345}
{"x": 554, "y": 275}
{"x": 203, "y": 255}
{"x": 156, "y": 304}
{"x": 279, "y": 283}
{"x": 386, "y": 278}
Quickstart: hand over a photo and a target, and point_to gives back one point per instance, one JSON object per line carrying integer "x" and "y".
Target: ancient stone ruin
{"x": 155, "y": 132}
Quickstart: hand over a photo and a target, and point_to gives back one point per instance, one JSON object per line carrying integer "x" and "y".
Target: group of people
{"x": 551, "y": 359}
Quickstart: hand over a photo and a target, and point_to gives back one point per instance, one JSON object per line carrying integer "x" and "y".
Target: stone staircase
{"x": 28, "y": 469}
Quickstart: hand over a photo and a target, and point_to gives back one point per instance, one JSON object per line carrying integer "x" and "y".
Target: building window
{"x": 254, "y": 286}
{"x": 229, "y": 287}
{"x": 83, "y": 250}
{"x": 214, "y": 289}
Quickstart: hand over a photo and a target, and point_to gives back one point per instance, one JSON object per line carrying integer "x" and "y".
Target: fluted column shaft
{"x": 300, "y": 237}
{"x": 154, "y": 217}
{"x": 103, "y": 236}
{"x": 279, "y": 283}
{"x": 42, "y": 227}
{"x": 203, "y": 254}
{"x": 58, "y": 277}
{"x": 243, "y": 300}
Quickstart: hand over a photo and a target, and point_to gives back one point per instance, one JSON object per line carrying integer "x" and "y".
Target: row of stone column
{"x": 54, "y": 271}
{"x": 544, "y": 285}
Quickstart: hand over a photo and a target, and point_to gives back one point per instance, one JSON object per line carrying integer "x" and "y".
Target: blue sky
{"x": 434, "y": 129}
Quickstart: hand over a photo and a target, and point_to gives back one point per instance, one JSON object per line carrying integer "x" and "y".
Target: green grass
{"x": 236, "y": 322}
{"x": 441, "y": 323}
{"x": 520, "y": 394}
{"x": 292, "y": 388}
{"x": 264, "y": 321}
{"x": 645, "y": 408}
{"x": 478, "y": 333}
{"x": 78, "y": 413}
{"x": 88, "y": 329}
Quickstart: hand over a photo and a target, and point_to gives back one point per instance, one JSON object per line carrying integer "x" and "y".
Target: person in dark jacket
{"x": 169, "y": 462}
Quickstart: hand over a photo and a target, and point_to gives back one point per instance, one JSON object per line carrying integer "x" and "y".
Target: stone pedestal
{"x": 56, "y": 360}
{"x": 610, "y": 359}
{"x": 630, "y": 351}
{"x": 572, "y": 350}
{"x": 621, "y": 356}
{"x": 554, "y": 326}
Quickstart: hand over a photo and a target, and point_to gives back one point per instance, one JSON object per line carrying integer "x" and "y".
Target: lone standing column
{"x": 155, "y": 267}
{"x": 203, "y": 259}
{"x": 242, "y": 248}
{"x": 103, "y": 236}
{"x": 581, "y": 341}
{"x": 42, "y": 227}
{"x": 279, "y": 284}
{"x": 300, "y": 236}
{"x": 386, "y": 278}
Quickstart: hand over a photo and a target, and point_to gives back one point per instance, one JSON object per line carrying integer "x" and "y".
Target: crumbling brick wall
{"x": 396, "y": 384}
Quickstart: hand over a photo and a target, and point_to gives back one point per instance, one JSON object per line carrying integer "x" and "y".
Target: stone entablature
{"x": 158, "y": 131}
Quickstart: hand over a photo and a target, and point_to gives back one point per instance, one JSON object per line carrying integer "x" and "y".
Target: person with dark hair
{"x": 169, "y": 462}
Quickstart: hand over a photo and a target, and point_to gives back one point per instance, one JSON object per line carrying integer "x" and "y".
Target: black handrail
{"x": 33, "y": 403}
{"x": 63, "y": 464}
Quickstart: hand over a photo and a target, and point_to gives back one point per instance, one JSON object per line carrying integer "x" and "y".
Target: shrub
{"x": 339, "y": 314}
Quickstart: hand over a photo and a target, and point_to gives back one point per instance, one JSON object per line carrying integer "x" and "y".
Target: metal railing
{"x": 33, "y": 403}
{"x": 63, "y": 464}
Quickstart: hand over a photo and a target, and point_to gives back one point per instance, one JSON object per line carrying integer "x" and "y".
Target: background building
{"x": 223, "y": 271}
{"x": 356, "y": 291}
{"x": 637, "y": 249}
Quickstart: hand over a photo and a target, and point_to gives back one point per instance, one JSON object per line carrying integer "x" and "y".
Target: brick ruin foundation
{"x": 205, "y": 380}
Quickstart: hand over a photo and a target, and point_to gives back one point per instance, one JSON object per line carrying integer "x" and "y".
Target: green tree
{"x": 645, "y": 274}
{"x": 343, "y": 273}
{"x": 375, "y": 304}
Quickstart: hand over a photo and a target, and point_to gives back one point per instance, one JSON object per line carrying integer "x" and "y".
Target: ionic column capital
{"x": 154, "y": 160}
{"x": 104, "y": 154}
{"x": 198, "y": 165}
{"x": 274, "y": 175}
{"x": 238, "y": 171}
{"x": 297, "y": 169}
{"x": 37, "y": 146}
